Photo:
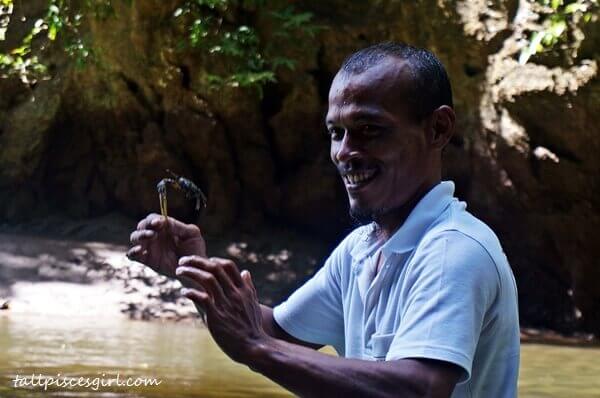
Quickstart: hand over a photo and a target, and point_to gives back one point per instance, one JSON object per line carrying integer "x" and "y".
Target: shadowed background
{"x": 95, "y": 140}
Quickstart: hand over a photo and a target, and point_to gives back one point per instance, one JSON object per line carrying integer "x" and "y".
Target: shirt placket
{"x": 372, "y": 298}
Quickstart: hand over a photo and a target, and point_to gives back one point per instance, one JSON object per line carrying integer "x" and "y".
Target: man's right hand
{"x": 159, "y": 242}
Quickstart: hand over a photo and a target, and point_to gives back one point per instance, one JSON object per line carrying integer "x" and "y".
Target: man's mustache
{"x": 344, "y": 169}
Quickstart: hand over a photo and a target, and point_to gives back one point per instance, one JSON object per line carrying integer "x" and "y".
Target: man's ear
{"x": 441, "y": 126}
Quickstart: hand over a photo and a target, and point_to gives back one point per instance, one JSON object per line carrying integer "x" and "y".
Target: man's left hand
{"x": 233, "y": 314}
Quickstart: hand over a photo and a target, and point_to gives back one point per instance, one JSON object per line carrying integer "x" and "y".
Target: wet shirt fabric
{"x": 444, "y": 291}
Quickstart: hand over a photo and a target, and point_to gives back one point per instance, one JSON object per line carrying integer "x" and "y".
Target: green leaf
{"x": 557, "y": 28}
{"x": 288, "y": 63}
{"x": 532, "y": 49}
{"x": 19, "y": 51}
{"x": 574, "y": 7}
{"x": 52, "y": 31}
{"x": 6, "y": 59}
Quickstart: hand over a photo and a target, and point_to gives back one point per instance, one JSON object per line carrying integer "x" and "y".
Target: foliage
{"x": 560, "y": 18}
{"x": 238, "y": 48}
{"x": 211, "y": 27}
{"x": 24, "y": 61}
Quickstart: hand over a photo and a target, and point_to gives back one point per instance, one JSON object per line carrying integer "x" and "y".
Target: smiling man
{"x": 419, "y": 301}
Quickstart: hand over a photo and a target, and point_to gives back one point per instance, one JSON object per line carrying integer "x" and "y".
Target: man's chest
{"x": 373, "y": 302}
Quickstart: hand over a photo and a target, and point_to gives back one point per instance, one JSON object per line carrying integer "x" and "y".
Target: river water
{"x": 187, "y": 363}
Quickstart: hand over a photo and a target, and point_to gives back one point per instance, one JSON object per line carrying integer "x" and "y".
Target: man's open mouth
{"x": 358, "y": 179}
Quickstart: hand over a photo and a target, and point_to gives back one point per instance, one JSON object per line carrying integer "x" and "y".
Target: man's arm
{"x": 235, "y": 320}
{"x": 309, "y": 373}
{"x": 271, "y": 327}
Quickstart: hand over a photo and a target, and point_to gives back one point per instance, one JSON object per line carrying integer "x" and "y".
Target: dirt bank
{"x": 55, "y": 266}
{"x": 69, "y": 274}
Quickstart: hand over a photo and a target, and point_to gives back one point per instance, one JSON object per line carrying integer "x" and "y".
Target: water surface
{"x": 189, "y": 364}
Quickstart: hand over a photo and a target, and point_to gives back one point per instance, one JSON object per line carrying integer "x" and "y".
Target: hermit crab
{"x": 190, "y": 190}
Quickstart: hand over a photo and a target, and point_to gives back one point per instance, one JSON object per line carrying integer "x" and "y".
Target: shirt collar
{"x": 429, "y": 208}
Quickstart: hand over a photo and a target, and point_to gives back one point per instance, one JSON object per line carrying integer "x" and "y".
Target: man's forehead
{"x": 390, "y": 75}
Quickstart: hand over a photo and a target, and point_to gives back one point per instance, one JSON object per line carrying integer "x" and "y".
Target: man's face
{"x": 378, "y": 147}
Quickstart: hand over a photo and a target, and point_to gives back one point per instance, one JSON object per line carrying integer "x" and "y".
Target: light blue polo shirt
{"x": 445, "y": 291}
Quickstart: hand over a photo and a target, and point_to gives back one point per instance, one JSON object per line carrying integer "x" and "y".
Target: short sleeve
{"x": 314, "y": 312}
{"x": 450, "y": 286}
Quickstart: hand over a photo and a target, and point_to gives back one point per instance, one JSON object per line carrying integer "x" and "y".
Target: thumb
{"x": 176, "y": 227}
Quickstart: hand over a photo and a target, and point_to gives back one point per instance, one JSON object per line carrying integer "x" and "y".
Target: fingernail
{"x": 183, "y": 260}
{"x": 178, "y": 271}
{"x": 184, "y": 291}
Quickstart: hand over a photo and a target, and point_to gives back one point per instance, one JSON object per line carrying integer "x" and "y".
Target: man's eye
{"x": 336, "y": 133}
{"x": 371, "y": 130}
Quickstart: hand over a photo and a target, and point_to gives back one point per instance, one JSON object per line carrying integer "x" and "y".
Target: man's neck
{"x": 391, "y": 221}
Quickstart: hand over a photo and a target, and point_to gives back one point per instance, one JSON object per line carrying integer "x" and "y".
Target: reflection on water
{"x": 559, "y": 372}
{"x": 184, "y": 357}
{"x": 189, "y": 364}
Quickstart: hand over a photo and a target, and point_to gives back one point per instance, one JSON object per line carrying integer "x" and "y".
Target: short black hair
{"x": 430, "y": 84}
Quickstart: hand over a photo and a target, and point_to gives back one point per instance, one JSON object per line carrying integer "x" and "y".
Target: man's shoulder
{"x": 459, "y": 224}
{"x": 466, "y": 244}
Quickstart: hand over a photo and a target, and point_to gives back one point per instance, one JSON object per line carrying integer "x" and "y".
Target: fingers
{"x": 137, "y": 253}
{"x": 184, "y": 231}
{"x": 176, "y": 227}
{"x": 207, "y": 265}
{"x": 151, "y": 219}
{"x": 149, "y": 228}
{"x": 230, "y": 269}
{"x": 198, "y": 296}
{"x": 245, "y": 275}
{"x": 157, "y": 222}
{"x": 142, "y": 236}
{"x": 189, "y": 283}
{"x": 207, "y": 280}
{"x": 247, "y": 279}
{"x": 146, "y": 231}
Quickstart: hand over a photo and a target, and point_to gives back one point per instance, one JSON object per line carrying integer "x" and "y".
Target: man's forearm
{"x": 306, "y": 372}
{"x": 243, "y": 329}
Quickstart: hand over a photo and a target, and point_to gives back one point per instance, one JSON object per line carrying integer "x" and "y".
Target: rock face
{"x": 525, "y": 157}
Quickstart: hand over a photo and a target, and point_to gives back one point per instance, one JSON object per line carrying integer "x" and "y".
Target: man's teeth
{"x": 356, "y": 178}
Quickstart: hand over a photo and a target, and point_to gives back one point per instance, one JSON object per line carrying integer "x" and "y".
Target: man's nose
{"x": 347, "y": 148}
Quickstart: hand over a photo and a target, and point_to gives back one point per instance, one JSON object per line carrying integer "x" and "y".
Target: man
{"x": 419, "y": 302}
